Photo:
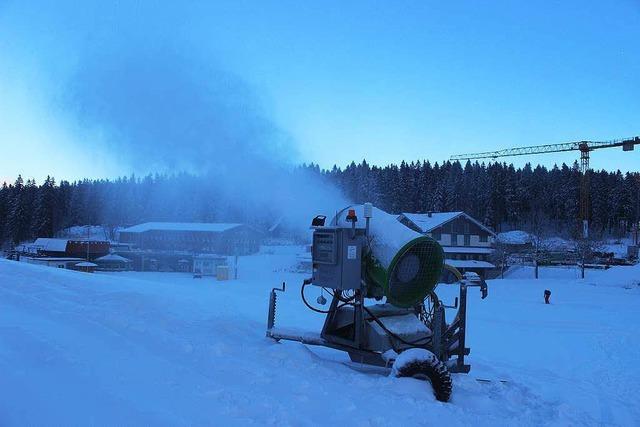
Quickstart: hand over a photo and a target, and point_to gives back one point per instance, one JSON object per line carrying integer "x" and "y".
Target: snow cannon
{"x": 400, "y": 264}
{"x": 362, "y": 257}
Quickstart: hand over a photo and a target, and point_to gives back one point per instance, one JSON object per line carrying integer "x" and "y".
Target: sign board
{"x": 352, "y": 252}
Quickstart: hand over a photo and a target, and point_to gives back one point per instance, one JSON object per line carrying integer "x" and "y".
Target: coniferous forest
{"x": 498, "y": 194}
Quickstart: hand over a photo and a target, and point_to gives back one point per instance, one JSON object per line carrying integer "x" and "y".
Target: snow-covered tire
{"x": 430, "y": 369}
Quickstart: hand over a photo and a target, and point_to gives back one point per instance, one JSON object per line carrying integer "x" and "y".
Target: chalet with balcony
{"x": 467, "y": 243}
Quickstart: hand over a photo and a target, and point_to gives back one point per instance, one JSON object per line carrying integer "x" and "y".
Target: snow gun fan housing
{"x": 400, "y": 264}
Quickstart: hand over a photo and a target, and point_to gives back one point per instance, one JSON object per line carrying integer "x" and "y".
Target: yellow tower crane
{"x": 585, "y": 148}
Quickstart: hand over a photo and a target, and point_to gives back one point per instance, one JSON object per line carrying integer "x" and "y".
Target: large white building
{"x": 219, "y": 238}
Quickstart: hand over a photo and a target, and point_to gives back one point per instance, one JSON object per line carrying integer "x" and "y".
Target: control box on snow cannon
{"x": 400, "y": 264}
{"x": 337, "y": 258}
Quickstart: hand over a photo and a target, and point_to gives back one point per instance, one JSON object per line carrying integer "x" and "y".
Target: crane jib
{"x": 627, "y": 144}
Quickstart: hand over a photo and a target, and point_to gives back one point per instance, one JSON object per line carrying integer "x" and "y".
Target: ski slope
{"x": 167, "y": 349}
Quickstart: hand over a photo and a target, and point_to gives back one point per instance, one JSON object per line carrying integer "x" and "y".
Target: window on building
{"x": 483, "y": 238}
{"x": 467, "y": 240}
{"x": 454, "y": 239}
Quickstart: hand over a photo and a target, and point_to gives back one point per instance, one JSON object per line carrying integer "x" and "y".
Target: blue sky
{"x": 385, "y": 81}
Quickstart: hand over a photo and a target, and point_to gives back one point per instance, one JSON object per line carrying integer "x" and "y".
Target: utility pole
{"x": 88, "y": 235}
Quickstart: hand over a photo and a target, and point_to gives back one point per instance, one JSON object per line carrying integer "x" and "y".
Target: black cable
{"x": 347, "y": 302}
{"x": 379, "y": 322}
{"x": 304, "y": 300}
{"x": 340, "y": 295}
{"x": 317, "y": 310}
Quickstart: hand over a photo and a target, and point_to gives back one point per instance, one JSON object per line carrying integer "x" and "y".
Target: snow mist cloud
{"x": 138, "y": 85}
{"x": 162, "y": 109}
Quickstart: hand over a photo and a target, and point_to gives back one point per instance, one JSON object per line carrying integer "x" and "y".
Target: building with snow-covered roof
{"x": 86, "y": 266}
{"x": 56, "y": 262}
{"x": 113, "y": 262}
{"x": 515, "y": 241}
{"x": 467, "y": 243}
{"x": 48, "y": 247}
{"x": 219, "y": 238}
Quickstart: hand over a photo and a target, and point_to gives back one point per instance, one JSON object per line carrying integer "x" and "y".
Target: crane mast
{"x": 585, "y": 148}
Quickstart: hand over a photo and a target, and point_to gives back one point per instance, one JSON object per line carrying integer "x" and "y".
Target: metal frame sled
{"x": 361, "y": 331}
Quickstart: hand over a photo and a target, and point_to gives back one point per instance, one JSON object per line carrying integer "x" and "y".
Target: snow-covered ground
{"x": 167, "y": 349}
{"x": 515, "y": 237}
{"x": 81, "y": 232}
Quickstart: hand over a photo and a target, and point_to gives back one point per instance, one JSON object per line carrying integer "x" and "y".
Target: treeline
{"x": 28, "y": 210}
{"x": 503, "y": 197}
